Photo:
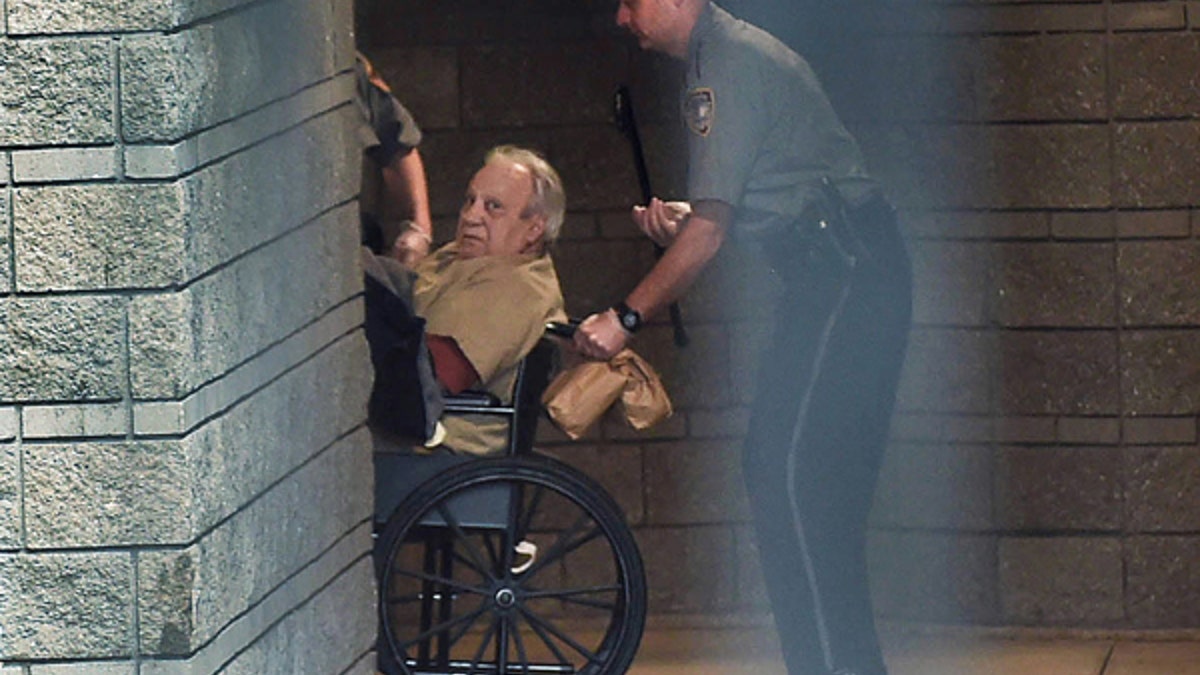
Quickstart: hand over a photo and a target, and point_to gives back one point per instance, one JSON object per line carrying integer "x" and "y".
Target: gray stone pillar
{"x": 185, "y": 482}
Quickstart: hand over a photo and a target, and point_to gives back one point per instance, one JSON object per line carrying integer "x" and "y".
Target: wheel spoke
{"x": 487, "y": 638}
{"x": 470, "y": 563}
{"x": 564, "y": 545}
{"x": 535, "y": 620}
{"x": 502, "y": 645}
{"x": 569, "y": 595}
{"x": 530, "y": 512}
{"x": 421, "y": 637}
{"x": 462, "y": 536}
{"x": 515, "y": 629}
{"x": 462, "y": 630}
{"x": 426, "y": 576}
{"x": 562, "y": 659}
{"x": 492, "y": 550}
{"x": 566, "y": 592}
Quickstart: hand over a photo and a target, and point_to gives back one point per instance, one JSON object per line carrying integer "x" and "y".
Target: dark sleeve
{"x": 396, "y": 132}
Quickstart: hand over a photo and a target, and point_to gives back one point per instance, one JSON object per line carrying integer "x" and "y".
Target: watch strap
{"x": 629, "y": 318}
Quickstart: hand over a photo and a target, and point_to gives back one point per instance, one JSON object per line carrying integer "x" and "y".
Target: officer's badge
{"x": 699, "y": 108}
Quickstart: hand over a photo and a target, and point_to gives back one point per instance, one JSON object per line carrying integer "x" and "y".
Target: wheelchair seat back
{"x": 397, "y": 474}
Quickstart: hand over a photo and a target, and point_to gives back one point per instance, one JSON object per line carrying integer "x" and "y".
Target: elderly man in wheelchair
{"x": 490, "y": 557}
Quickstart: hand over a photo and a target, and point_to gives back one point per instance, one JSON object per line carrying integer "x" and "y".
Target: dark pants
{"x": 817, "y": 437}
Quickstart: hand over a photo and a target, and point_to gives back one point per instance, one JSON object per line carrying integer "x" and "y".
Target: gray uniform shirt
{"x": 761, "y": 132}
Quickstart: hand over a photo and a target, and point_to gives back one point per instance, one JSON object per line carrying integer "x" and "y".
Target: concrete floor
{"x": 752, "y": 650}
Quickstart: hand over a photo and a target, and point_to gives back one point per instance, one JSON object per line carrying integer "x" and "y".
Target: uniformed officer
{"x": 770, "y": 164}
{"x": 394, "y": 201}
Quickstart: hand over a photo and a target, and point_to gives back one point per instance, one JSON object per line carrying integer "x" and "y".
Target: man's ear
{"x": 537, "y": 230}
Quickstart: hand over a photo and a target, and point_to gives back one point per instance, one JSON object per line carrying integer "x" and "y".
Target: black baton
{"x": 623, "y": 116}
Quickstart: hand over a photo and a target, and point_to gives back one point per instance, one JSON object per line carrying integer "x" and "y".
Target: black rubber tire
{"x": 497, "y": 592}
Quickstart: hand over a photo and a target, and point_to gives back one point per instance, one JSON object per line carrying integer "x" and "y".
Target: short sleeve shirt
{"x": 761, "y": 131}
{"x": 496, "y": 309}
{"x": 389, "y": 128}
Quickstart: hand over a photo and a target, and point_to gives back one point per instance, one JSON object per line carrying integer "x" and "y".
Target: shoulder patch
{"x": 699, "y": 109}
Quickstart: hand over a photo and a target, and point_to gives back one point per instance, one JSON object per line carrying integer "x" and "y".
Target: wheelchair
{"x": 516, "y": 563}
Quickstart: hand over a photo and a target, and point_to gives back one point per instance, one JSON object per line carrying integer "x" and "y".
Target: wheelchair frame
{"x": 453, "y": 597}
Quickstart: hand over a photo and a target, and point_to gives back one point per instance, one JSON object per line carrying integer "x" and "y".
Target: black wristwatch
{"x": 629, "y": 317}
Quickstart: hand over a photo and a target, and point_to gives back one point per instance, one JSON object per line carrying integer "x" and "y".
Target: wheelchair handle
{"x": 563, "y": 330}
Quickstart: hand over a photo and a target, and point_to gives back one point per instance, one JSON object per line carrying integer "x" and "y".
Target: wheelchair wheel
{"x": 509, "y": 565}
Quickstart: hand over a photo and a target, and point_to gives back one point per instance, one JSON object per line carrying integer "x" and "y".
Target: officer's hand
{"x": 661, "y": 220}
{"x": 411, "y": 246}
{"x": 600, "y": 336}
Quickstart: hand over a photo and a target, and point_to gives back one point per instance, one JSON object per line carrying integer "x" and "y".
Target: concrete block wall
{"x": 185, "y": 482}
{"x": 1044, "y": 462}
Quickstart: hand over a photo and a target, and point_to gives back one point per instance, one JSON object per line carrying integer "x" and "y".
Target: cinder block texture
{"x": 262, "y": 193}
{"x": 1162, "y": 581}
{"x": 911, "y": 77}
{"x": 490, "y": 74}
{"x": 251, "y": 554}
{"x": 99, "y": 16}
{"x": 326, "y": 634}
{"x": 6, "y": 282}
{"x": 1016, "y": 84}
{"x": 174, "y": 84}
{"x": 617, "y": 468}
{"x": 1156, "y": 74}
{"x": 99, "y": 236}
{"x": 1163, "y": 491}
{"x": 66, "y": 605}
{"x": 952, "y": 283}
{"x": 125, "y": 667}
{"x": 1063, "y": 285}
{"x": 56, "y": 91}
{"x": 695, "y": 482}
{"x": 1157, "y": 164}
{"x": 935, "y": 487}
{"x": 76, "y": 421}
{"x": 1069, "y": 373}
{"x": 287, "y": 421}
{"x": 1158, "y": 430}
{"x": 181, "y": 341}
{"x": 1160, "y": 283}
{"x": 10, "y": 504}
{"x": 689, "y": 569}
{"x": 1054, "y": 488}
{"x": 64, "y": 164}
{"x": 88, "y": 16}
{"x": 948, "y": 371}
{"x": 946, "y": 578}
{"x": 426, "y": 80}
{"x": 1061, "y": 580}
{"x": 1160, "y": 372}
{"x": 1017, "y": 166}
{"x": 64, "y": 348}
{"x": 107, "y": 494}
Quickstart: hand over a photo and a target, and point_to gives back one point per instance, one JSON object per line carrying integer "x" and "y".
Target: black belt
{"x": 831, "y": 233}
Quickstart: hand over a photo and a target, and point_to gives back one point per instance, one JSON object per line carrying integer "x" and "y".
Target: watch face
{"x": 629, "y": 320}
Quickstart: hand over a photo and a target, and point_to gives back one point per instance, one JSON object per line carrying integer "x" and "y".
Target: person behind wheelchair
{"x": 465, "y": 316}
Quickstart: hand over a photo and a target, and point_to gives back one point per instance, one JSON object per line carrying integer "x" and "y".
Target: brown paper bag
{"x": 643, "y": 399}
{"x": 579, "y": 395}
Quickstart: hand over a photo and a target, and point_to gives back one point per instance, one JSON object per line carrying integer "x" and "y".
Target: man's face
{"x": 493, "y": 219}
{"x": 646, "y": 20}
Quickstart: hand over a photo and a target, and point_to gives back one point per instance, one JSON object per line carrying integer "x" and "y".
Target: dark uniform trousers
{"x": 818, "y": 432}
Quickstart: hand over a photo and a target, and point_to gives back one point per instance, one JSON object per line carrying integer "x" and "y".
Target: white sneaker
{"x": 528, "y": 548}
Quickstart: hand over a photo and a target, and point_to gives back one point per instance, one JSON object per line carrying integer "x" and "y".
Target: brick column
{"x": 184, "y": 477}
